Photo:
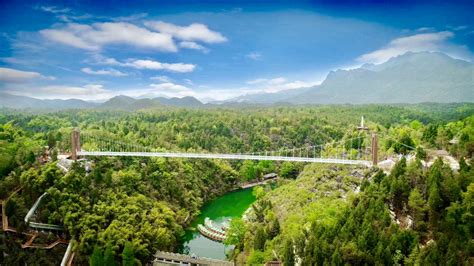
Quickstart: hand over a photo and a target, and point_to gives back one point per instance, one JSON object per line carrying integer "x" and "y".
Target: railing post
{"x": 75, "y": 143}
{"x": 374, "y": 149}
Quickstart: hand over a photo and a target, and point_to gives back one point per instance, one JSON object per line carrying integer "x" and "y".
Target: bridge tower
{"x": 374, "y": 142}
{"x": 374, "y": 149}
{"x": 75, "y": 143}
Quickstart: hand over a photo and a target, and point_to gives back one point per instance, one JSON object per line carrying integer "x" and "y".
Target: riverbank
{"x": 254, "y": 184}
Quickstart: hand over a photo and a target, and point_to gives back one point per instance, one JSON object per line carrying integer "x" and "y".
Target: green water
{"x": 232, "y": 204}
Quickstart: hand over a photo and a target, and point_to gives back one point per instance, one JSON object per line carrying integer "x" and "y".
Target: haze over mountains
{"x": 409, "y": 78}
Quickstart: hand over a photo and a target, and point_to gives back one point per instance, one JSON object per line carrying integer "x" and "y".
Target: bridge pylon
{"x": 75, "y": 143}
{"x": 374, "y": 149}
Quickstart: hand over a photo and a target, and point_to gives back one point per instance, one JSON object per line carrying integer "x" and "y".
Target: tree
{"x": 248, "y": 170}
{"x": 404, "y": 145}
{"x": 288, "y": 170}
{"x": 258, "y": 192}
{"x": 434, "y": 203}
{"x": 51, "y": 140}
{"x": 288, "y": 253}
{"x": 418, "y": 208}
{"x": 236, "y": 232}
{"x": 420, "y": 153}
{"x": 109, "y": 257}
{"x": 256, "y": 258}
{"x": 259, "y": 239}
{"x": 96, "y": 259}
{"x": 128, "y": 256}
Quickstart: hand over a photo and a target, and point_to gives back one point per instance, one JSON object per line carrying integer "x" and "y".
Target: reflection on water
{"x": 230, "y": 205}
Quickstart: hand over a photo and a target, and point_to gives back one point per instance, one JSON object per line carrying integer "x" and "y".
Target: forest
{"x": 125, "y": 209}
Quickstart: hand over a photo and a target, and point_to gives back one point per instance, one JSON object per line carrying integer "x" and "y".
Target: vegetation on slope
{"x": 147, "y": 202}
{"x": 413, "y": 216}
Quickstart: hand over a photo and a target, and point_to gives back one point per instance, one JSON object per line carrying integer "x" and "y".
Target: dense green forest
{"x": 127, "y": 208}
{"x": 409, "y": 217}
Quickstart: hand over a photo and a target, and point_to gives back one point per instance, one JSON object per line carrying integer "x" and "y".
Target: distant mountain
{"x": 409, "y": 78}
{"x": 24, "y": 102}
{"x": 267, "y": 98}
{"x": 187, "y": 101}
{"x": 122, "y": 102}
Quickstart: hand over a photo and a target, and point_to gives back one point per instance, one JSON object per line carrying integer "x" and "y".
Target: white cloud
{"x": 169, "y": 89}
{"x": 276, "y": 85}
{"x": 193, "y": 32}
{"x": 155, "y": 65}
{"x": 161, "y": 78}
{"x": 432, "y": 42}
{"x": 74, "y": 91}
{"x": 256, "y": 81}
{"x": 86, "y": 92}
{"x": 274, "y": 81}
{"x": 13, "y": 75}
{"x": 54, "y": 9}
{"x": 425, "y": 29}
{"x": 254, "y": 55}
{"x": 277, "y": 81}
{"x": 102, "y": 60}
{"x": 145, "y": 64}
{"x": 132, "y": 17}
{"x": 194, "y": 46}
{"x": 93, "y": 37}
{"x": 107, "y": 72}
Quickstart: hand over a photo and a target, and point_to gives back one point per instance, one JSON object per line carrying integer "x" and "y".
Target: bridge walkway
{"x": 227, "y": 156}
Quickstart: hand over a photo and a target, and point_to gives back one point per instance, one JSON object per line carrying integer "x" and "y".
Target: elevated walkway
{"x": 226, "y": 156}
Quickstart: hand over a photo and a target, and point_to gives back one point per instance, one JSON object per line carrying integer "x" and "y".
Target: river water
{"x": 232, "y": 204}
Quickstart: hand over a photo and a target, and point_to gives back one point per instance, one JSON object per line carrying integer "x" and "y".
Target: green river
{"x": 232, "y": 204}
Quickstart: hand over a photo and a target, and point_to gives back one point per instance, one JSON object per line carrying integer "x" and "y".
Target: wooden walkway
{"x": 164, "y": 258}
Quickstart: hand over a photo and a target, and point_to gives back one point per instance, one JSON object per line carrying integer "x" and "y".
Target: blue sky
{"x": 94, "y": 50}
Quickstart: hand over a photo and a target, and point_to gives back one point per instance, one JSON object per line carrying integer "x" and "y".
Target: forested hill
{"x": 135, "y": 206}
{"x": 413, "y": 216}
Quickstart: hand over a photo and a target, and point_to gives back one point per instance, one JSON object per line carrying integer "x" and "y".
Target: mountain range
{"x": 120, "y": 102}
{"x": 408, "y": 78}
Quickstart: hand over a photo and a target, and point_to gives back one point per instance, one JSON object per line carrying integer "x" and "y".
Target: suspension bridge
{"x": 361, "y": 150}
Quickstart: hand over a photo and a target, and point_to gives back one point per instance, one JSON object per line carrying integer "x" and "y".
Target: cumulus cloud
{"x": 432, "y": 42}
{"x": 193, "y": 32}
{"x": 169, "y": 89}
{"x": 106, "y": 72}
{"x": 193, "y": 46}
{"x": 93, "y": 37}
{"x": 155, "y": 65}
{"x": 254, "y": 55}
{"x": 146, "y": 64}
{"x": 14, "y": 75}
